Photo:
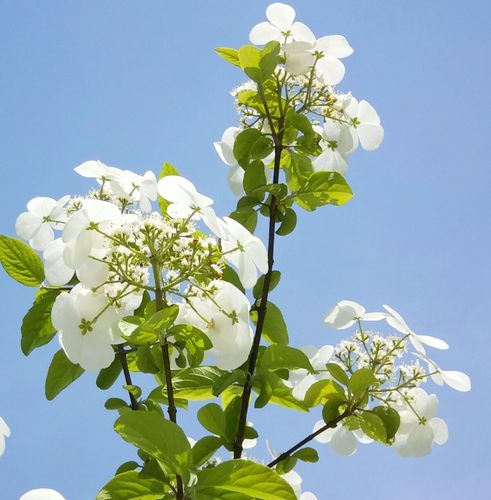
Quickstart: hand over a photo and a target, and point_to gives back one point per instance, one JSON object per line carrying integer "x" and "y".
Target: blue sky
{"x": 137, "y": 83}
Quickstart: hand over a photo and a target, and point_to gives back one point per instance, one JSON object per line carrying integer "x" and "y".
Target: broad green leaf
{"x": 251, "y": 144}
{"x": 275, "y": 329}
{"x": 321, "y": 391}
{"x": 61, "y": 373}
{"x": 301, "y": 123}
{"x": 286, "y": 465}
{"x": 331, "y": 408}
{"x": 254, "y": 178}
{"x": 228, "y": 379}
{"x": 361, "y": 380}
{"x": 115, "y": 404}
{"x": 107, "y": 376}
{"x": 150, "y": 331}
{"x": 21, "y": 262}
{"x": 298, "y": 169}
{"x": 231, "y": 276}
{"x": 288, "y": 223}
{"x": 337, "y": 373}
{"x": 309, "y": 455}
{"x": 196, "y": 383}
{"x": 126, "y": 467}
{"x": 37, "y": 329}
{"x": 258, "y": 287}
{"x": 283, "y": 356}
{"x": 212, "y": 418}
{"x": 247, "y": 217}
{"x": 249, "y": 57}
{"x": 204, "y": 449}
{"x": 160, "y": 438}
{"x": 269, "y": 59}
{"x": 231, "y": 414}
{"x": 241, "y": 477}
{"x": 390, "y": 418}
{"x": 373, "y": 426}
{"x": 265, "y": 393}
{"x": 132, "y": 486}
{"x": 230, "y": 55}
{"x": 281, "y": 395}
{"x": 323, "y": 188}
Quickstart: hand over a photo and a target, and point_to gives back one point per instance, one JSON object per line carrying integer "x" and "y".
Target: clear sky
{"x": 137, "y": 83}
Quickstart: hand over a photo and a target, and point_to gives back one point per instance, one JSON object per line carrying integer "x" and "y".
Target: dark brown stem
{"x": 127, "y": 376}
{"x": 261, "y": 310}
{"x": 304, "y": 441}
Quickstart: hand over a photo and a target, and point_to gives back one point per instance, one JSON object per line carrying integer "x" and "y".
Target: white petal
{"x": 92, "y": 169}
{"x": 256, "y": 251}
{"x": 308, "y": 495}
{"x": 27, "y": 224}
{"x": 299, "y": 63}
{"x": 344, "y": 314}
{"x": 420, "y": 441}
{"x": 374, "y": 316}
{"x": 330, "y": 70}
{"x": 41, "y": 206}
{"x": 302, "y": 33}
{"x": 323, "y": 437}
{"x": 334, "y": 45}
{"x": 281, "y": 15}
{"x": 247, "y": 271}
{"x": 456, "y": 380}
{"x": 64, "y": 314}
{"x": 265, "y": 32}
{"x": 96, "y": 353}
{"x": 4, "y": 428}
{"x": 433, "y": 341}
{"x": 75, "y": 224}
{"x": 92, "y": 273}
{"x": 303, "y": 386}
{"x": 42, "y": 494}
{"x": 322, "y": 357}
{"x": 367, "y": 113}
{"x": 235, "y": 179}
{"x": 43, "y": 237}
{"x": 371, "y": 136}
{"x": 344, "y": 442}
{"x": 440, "y": 430}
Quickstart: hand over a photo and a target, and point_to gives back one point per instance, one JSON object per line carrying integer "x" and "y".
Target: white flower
{"x": 87, "y": 327}
{"x": 37, "y": 224}
{"x": 225, "y": 150}
{"x": 337, "y": 144}
{"x": 301, "y": 380}
{"x": 396, "y": 321}
{"x": 301, "y": 55}
{"x": 225, "y": 320}
{"x": 4, "y": 433}
{"x": 346, "y": 312}
{"x": 280, "y": 26}
{"x": 141, "y": 188}
{"x": 417, "y": 433}
{"x": 42, "y": 494}
{"x": 342, "y": 441}
{"x": 365, "y": 124}
{"x": 56, "y": 271}
{"x": 295, "y": 481}
{"x": 251, "y": 254}
{"x": 454, "y": 379}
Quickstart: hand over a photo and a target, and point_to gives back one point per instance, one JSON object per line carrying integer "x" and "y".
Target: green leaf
{"x": 258, "y": 287}
{"x": 321, "y": 391}
{"x": 131, "y": 486}
{"x": 301, "y": 123}
{"x": 160, "y": 438}
{"x": 107, "y": 376}
{"x": 212, "y": 418}
{"x": 196, "y": 383}
{"x": 204, "y": 449}
{"x": 251, "y": 144}
{"x": 247, "y": 217}
{"x": 61, "y": 373}
{"x": 231, "y": 276}
{"x": 283, "y": 356}
{"x": 149, "y": 332}
{"x": 298, "y": 169}
{"x": 361, "y": 380}
{"x": 337, "y": 373}
{"x": 228, "y": 379}
{"x": 246, "y": 480}
{"x": 254, "y": 178}
{"x": 281, "y": 395}
{"x": 309, "y": 455}
{"x": 288, "y": 223}
{"x": 373, "y": 426}
{"x": 127, "y": 466}
{"x": 286, "y": 465}
{"x": 330, "y": 411}
{"x": 275, "y": 329}
{"x": 323, "y": 188}
{"x": 269, "y": 59}
{"x": 390, "y": 418}
{"x": 37, "y": 329}
{"x": 230, "y": 55}
{"x": 265, "y": 394}
{"x": 249, "y": 57}
{"x": 115, "y": 404}
{"x": 21, "y": 262}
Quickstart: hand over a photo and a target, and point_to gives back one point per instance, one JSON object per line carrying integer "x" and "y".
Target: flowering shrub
{"x": 141, "y": 275}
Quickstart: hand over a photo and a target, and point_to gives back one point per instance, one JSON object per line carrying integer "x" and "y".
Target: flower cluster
{"x": 112, "y": 248}
{"x": 397, "y": 379}
{"x": 310, "y": 69}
